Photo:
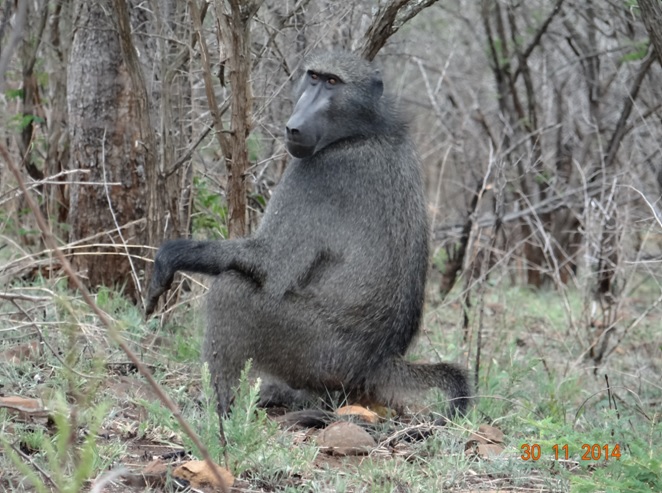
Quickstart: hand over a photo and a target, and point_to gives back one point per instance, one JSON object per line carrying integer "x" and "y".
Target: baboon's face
{"x": 309, "y": 122}
{"x": 332, "y": 105}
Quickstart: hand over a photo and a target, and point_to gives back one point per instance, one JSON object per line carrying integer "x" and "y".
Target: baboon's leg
{"x": 276, "y": 393}
{"x": 287, "y": 339}
{"x": 227, "y": 345}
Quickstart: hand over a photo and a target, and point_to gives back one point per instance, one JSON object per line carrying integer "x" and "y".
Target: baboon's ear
{"x": 377, "y": 84}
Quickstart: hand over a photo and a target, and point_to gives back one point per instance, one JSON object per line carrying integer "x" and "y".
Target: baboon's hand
{"x": 161, "y": 281}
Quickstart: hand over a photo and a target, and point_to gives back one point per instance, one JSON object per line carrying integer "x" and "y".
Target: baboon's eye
{"x": 333, "y": 81}
{"x": 314, "y": 76}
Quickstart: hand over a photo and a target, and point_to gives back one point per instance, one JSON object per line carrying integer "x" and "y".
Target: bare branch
{"x": 550, "y": 204}
{"x": 206, "y": 74}
{"x": 628, "y": 104}
{"x": 538, "y": 36}
{"x": 651, "y": 14}
{"x": 387, "y": 21}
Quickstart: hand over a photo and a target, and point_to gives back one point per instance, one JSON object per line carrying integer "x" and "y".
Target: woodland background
{"x": 539, "y": 124}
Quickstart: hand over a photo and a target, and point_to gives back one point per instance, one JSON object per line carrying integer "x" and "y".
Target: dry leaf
{"x": 360, "y": 412}
{"x": 157, "y": 466}
{"x": 198, "y": 473}
{"x": 344, "y": 438}
{"x": 487, "y": 450}
{"x": 487, "y": 434}
{"x": 487, "y": 442}
{"x": 25, "y": 406}
{"x": 155, "y": 474}
{"x": 21, "y": 352}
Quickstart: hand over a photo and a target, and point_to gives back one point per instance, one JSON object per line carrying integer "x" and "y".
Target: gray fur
{"x": 327, "y": 295}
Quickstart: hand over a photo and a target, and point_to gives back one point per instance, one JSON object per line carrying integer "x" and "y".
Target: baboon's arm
{"x": 204, "y": 257}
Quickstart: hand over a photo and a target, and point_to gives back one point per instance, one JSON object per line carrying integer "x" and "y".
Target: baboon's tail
{"x": 402, "y": 377}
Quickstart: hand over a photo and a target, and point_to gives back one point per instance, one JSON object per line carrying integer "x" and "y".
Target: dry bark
{"x": 109, "y": 142}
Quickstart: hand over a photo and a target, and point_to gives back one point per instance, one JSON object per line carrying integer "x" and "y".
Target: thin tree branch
{"x": 387, "y": 21}
{"x": 651, "y": 14}
{"x": 538, "y": 36}
{"x": 628, "y": 104}
{"x": 549, "y": 204}
{"x": 206, "y": 74}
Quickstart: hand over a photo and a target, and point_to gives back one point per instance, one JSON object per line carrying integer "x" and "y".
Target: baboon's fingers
{"x": 151, "y": 301}
{"x": 162, "y": 277}
{"x": 156, "y": 289}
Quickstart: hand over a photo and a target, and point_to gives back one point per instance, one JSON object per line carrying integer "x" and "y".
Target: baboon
{"x": 327, "y": 295}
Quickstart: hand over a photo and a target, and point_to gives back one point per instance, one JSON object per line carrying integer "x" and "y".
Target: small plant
{"x": 210, "y": 212}
{"x": 248, "y": 430}
{"x": 70, "y": 461}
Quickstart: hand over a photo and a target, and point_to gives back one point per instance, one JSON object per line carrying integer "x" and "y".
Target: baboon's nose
{"x": 292, "y": 131}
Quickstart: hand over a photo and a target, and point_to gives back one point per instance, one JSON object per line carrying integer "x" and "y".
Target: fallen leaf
{"x": 155, "y": 474}
{"x": 345, "y": 438}
{"x": 487, "y": 442}
{"x": 360, "y": 412}
{"x": 157, "y": 466}
{"x": 487, "y": 434}
{"x": 485, "y": 450}
{"x": 25, "y": 406}
{"x": 198, "y": 473}
{"x": 21, "y": 352}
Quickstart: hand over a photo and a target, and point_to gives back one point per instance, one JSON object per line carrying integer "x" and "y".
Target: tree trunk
{"x": 234, "y": 20}
{"x": 57, "y": 158}
{"x": 109, "y": 143}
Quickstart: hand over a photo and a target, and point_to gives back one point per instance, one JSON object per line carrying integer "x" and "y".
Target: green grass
{"x": 535, "y": 384}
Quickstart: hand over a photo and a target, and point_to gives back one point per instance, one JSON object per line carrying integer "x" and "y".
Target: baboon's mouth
{"x": 299, "y": 151}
